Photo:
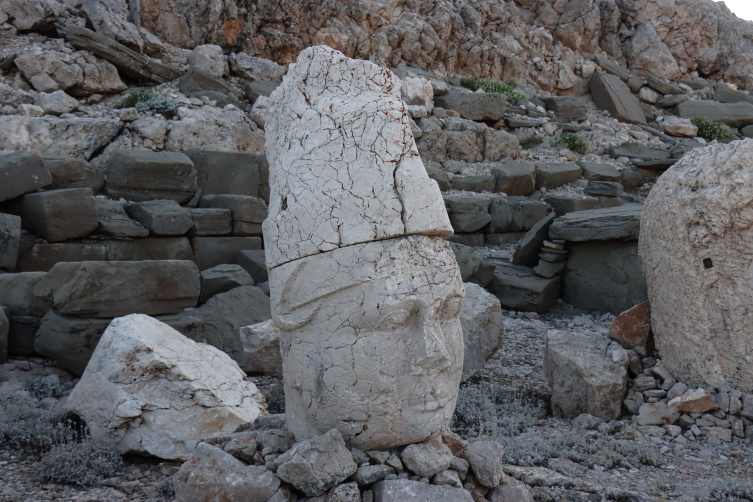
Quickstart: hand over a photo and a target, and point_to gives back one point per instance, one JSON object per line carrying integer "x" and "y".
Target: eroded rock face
{"x": 356, "y": 249}
{"x": 694, "y": 244}
{"x": 150, "y": 390}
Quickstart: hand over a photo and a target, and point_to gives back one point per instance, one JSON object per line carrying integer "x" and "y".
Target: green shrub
{"x": 530, "y": 143}
{"x": 573, "y": 142}
{"x": 731, "y": 490}
{"x": 134, "y": 98}
{"x": 26, "y": 427}
{"x": 158, "y": 104}
{"x": 44, "y": 386}
{"x": 513, "y": 95}
{"x": 711, "y": 131}
{"x": 84, "y": 463}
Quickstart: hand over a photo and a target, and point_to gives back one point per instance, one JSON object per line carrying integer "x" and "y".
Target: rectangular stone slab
{"x": 236, "y": 173}
{"x": 58, "y": 215}
{"x": 20, "y": 173}
{"x": 10, "y": 239}
{"x": 114, "y": 289}
{"x": 621, "y": 222}
{"x": 611, "y": 94}
{"x": 519, "y": 288}
{"x": 139, "y": 176}
{"x": 733, "y": 114}
{"x": 44, "y": 255}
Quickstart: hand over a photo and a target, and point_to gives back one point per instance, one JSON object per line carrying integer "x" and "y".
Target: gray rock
{"x": 587, "y": 373}
{"x": 567, "y": 109}
{"x": 671, "y": 100}
{"x": 346, "y": 492}
{"x": 257, "y": 88}
{"x": 57, "y": 215}
{"x": 733, "y": 114}
{"x": 478, "y": 183}
{"x": 108, "y": 17}
{"x": 677, "y": 390}
{"x": 603, "y": 189}
{"x": 276, "y": 440}
{"x": 236, "y": 173}
{"x": 747, "y": 131}
{"x": 226, "y": 313}
{"x": 439, "y": 175}
{"x": 486, "y": 459}
{"x": 161, "y": 217}
{"x": 151, "y": 248}
{"x": 548, "y": 269}
{"x": 316, "y": 465}
{"x": 255, "y": 68}
{"x": 10, "y": 240}
{"x": 130, "y": 64}
{"x": 56, "y": 103}
{"x": 245, "y": 209}
{"x": 513, "y": 493}
{"x": 448, "y": 477}
{"x": 211, "y": 221}
{"x": 621, "y": 222}
{"x": 563, "y": 205}
{"x": 661, "y": 86}
{"x": 604, "y": 276}
{"x": 73, "y": 173}
{"x": 261, "y": 344}
{"x": 637, "y": 151}
{"x": 4, "y": 330}
{"x": 222, "y": 278}
{"x": 555, "y": 175}
{"x": 428, "y": 458}
{"x": 198, "y": 84}
{"x": 474, "y": 106}
{"x": 611, "y": 94}
{"x": 43, "y": 256}
{"x": 483, "y": 328}
{"x": 513, "y": 214}
{"x": 20, "y": 173}
{"x": 212, "y": 474}
{"x": 518, "y": 288}
{"x": 468, "y": 260}
{"x": 520, "y": 122}
{"x": 25, "y": 294}
{"x": 695, "y": 84}
{"x": 402, "y": 490}
{"x": 599, "y": 172}
{"x": 211, "y": 251}
{"x": 657, "y": 414}
{"x": 724, "y": 94}
{"x": 255, "y": 263}
{"x": 612, "y": 68}
{"x": 467, "y": 213}
{"x": 515, "y": 178}
{"x": 114, "y": 289}
{"x": 139, "y": 176}
{"x": 528, "y": 248}
{"x": 21, "y": 334}
{"x": 368, "y": 474}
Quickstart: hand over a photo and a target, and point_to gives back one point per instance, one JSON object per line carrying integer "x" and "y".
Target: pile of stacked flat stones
{"x": 270, "y": 464}
{"x": 156, "y": 233}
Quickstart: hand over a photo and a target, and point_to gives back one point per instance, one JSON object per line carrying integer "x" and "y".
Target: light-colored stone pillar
{"x": 364, "y": 287}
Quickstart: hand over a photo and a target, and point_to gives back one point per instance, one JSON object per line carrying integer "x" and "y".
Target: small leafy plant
{"x": 573, "y": 142}
{"x": 531, "y": 143}
{"x": 158, "y": 104}
{"x": 85, "y": 463}
{"x": 134, "y": 98}
{"x": 711, "y": 131}
{"x": 42, "y": 387}
{"x": 513, "y": 95}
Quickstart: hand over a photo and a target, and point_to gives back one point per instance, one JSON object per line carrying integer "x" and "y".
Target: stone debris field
{"x": 426, "y": 251}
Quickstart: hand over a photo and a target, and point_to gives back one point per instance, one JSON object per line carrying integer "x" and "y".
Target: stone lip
{"x": 344, "y": 167}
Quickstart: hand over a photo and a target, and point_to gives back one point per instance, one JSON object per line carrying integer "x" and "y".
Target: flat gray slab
{"x": 621, "y": 222}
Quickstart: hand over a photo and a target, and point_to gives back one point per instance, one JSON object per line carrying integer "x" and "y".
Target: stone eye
{"x": 394, "y": 320}
{"x": 452, "y": 307}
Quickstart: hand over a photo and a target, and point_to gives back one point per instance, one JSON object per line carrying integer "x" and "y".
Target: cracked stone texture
{"x": 388, "y": 369}
{"x": 483, "y": 328}
{"x": 695, "y": 244}
{"x": 148, "y": 389}
{"x": 344, "y": 167}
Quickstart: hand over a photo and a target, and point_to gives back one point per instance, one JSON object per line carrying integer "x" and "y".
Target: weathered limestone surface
{"x": 348, "y": 118}
{"x": 148, "y": 389}
{"x": 355, "y": 245}
{"x": 695, "y": 247}
{"x": 483, "y": 327}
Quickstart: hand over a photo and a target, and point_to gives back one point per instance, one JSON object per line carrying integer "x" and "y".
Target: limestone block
{"x": 418, "y": 91}
{"x": 515, "y": 178}
{"x": 21, "y": 334}
{"x": 563, "y": 205}
{"x": 599, "y": 172}
{"x": 518, "y": 288}
{"x": 724, "y": 94}
{"x": 468, "y": 260}
{"x": 25, "y": 294}
{"x": 694, "y": 236}
{"x": 163, "y": 413}
{"x": 68, "y": 172}
{"x": 56, "y": 103}
{"x": 258, "y": 88}
{"x": 236, "y": 173}
{"x": 483, "y": 328}
{"x": 212, "y": 474}
{"x": 603, "y": 276}
{"x": 473, "y": 105}
{"x": 427, "y": 459}
{"x": 261, "y": 342}
{"x": 567, "y": 109}
{"x": 150, "y": 248}
{"x": 211, "y": 221}
{"x": 111, "y": 289}
{"x": 477, "y": 183}
{"x": 254, "y": 68}
{"x": 603, "y": 189}
{"x": 733, "y": 114}
{"x": 467, "y": 213}
{"x": 244, "y": 208}
{"x": 351, "y": 123}
{"x": 611, "y": 94}
{"x": 528, "y": 248}
{"x": 486, "y": 459}
{"x": 43, "y": 255}
{"x": 209, "y": 59}
{"x": 58, "y": 215}
{"x": 398, "y": 490}
{"x": 613, "y": 68}
{"x": 222, "y": 278}
{"x": 211, "y": 251}
{"x": 695, "y": 401}
{"x": 621, "y": 222}
{"x": 254, "y": 262}
{"x": 587, "y": 373}
{"x": 161, "y": 217}
{"x": 499, "y": 145}
{"x": 10, "y": 240}
{"x": 144, "y": 175}
{"x": 675, "y": 126}
{"x": 20, "y": 173}
{"x": 555, "y": 175}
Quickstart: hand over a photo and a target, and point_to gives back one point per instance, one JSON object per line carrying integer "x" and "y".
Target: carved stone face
{"x": 371, "y": 340}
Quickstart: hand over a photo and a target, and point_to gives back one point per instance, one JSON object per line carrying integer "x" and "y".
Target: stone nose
{"x": 432, "y": 352}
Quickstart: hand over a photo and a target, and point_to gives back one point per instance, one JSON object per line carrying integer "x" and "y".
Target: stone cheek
{"x": 372, "y": 344}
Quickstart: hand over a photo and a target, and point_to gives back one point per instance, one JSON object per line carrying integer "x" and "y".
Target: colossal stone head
{"x": 696, "y": 245}
{"x": 364, "y": 287}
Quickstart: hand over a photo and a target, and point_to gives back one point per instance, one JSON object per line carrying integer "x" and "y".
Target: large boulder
{"x": 611, "y": 94}
{"x": 483, "y": 328}
{"x": 587, "y": 373}
{"x": 115, "y": 288}
{"x": 693, "y": 244}
{"x": 150, "y": 390}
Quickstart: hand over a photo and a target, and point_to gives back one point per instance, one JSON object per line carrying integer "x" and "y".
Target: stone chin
{"x": 371, "y": 340}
